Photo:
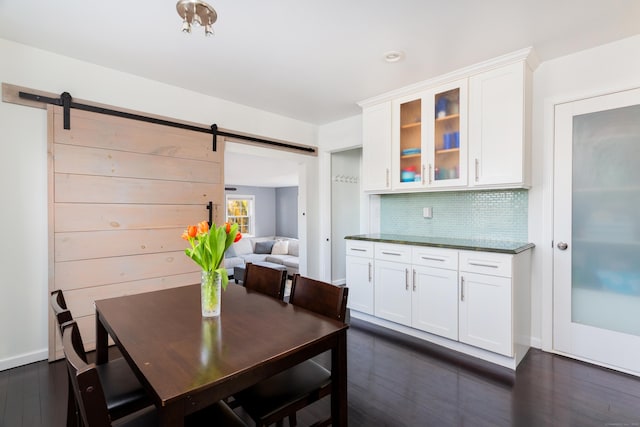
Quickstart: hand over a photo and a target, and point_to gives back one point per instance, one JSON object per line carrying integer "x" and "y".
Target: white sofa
{"x": 279, "y": 250}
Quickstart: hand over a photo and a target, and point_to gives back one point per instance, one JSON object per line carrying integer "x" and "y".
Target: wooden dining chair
{"x": 266, "y": 280}
{"x": 89, "y": 392}
{"x": 283, "y": 394}
{"x": 123, "y": 392}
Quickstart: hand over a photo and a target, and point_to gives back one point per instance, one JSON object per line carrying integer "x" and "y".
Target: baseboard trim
{"x": 23, "y": 359}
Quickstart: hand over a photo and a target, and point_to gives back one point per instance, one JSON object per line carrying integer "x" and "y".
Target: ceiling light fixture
{"x": 393, "y": 56}
{"x": 196, "y": 12}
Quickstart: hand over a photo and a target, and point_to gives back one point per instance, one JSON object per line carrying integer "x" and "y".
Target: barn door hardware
{"x": 66, "y": 101}
{"x": 210, "y": 209}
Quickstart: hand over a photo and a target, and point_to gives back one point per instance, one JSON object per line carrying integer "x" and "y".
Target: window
{"x": 240, "y": 210}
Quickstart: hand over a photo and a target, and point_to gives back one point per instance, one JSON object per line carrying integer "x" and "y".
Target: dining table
{"x": 187, "y": 362}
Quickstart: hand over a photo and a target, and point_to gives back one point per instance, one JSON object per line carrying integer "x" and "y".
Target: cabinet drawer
{"x": 360, "y": 248}
{"x": 389, "y": 252}
{"x": 486, "y": 263}
{"x": 434, "y": 257}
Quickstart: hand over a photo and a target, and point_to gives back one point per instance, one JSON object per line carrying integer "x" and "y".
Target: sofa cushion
{"x": 286, "y": 260}
{"x": 254, "y": 257}
{"x": 242, "y": 247}
{"x": 280, "y": 247}
{"x": 264, "y": 247}
{"x": 294, "y": 247}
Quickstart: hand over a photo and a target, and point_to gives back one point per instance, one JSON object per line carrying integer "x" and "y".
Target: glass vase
{"x": 210, "y": 293}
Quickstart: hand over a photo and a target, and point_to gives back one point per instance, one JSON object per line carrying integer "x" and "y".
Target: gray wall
{"x": 287, "y": 211}
{"x": 265, "y": 206}
{"x": 276, "y": 209}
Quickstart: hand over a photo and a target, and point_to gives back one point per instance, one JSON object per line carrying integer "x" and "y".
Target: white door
{"x": 435, "y": 301}
{"x": 485, "y": 312}
{"x": 597, "y": 230}
{"x": 359, "y": 278}
{"x": 393, "y": 291}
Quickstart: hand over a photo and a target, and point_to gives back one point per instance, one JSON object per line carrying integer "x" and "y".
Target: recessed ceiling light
{"x": 393, "y": 56}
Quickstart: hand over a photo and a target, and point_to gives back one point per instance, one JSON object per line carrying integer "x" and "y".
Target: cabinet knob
{"x": 562, "y": 246}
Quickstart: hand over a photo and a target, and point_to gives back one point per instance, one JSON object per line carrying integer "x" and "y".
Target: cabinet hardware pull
{"x": 414, "y": 280}
{"x": 429, "y": 173}
{"x": 428, "y": 258}
{"x": 481, "y": 264}
{"x": 387, "y": 177}
{"x": 391, "y": 253}
{"x": 369, "y": 272}
{"x": 477, "y": 170}
{"x": 358, "y": 250}
{"x": 461, "y": 288}
{"x": 423, "y": 177}
{"x": 406, "y": 279}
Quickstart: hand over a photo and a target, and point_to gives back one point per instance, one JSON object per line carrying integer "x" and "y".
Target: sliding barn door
{"x": 121, "y": 192}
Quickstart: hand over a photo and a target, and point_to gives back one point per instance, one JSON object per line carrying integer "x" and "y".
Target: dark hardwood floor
{"x": 399, "y": 381}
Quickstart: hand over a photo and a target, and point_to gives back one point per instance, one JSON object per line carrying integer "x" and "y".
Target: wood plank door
{"x": 121, "y": 192}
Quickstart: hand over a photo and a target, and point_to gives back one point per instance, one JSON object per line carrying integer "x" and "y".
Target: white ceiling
{"x": 314, "y": 59}
{"x": 311, "y": 60}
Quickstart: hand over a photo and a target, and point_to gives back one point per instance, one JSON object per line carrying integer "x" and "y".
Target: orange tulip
{"x": 203, "y": 227}
{"x": 238, "y": 237}
{"x": 227, "y": 227}
{"x": 192, "y": 231}
{"x": 185, "y": 235}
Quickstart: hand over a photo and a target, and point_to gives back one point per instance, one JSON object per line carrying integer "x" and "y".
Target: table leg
{"x": 102, "y": 342}
{"x": 171, "y": 416}
{"x": 339, "y": 381}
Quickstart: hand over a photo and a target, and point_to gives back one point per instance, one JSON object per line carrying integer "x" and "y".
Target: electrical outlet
{"x": 427, "y": 212}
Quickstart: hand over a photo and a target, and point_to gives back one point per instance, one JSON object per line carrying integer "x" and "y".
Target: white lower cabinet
{"x": 479, "y": 299}
{"x": 359, "y": 275}
{"x": 435, "y": 301}
{"x": 392, "y": 279}
{"x": 485, "y": 312}
{"x": 486, "y": 295}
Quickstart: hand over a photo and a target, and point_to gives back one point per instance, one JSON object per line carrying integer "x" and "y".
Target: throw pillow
{"x": 243, "y": 246}
{"x": 264, "y": 247}
{"x": 294, "y": 247}
{"x": 230, "y": 253}
{"x": 280, "y": 247}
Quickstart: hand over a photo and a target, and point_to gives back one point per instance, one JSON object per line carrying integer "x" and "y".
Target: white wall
{"x": 23, "y": 183}
{"x": 607, "y": 68}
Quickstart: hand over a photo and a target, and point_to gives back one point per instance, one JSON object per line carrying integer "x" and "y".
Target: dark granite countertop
{"x": 500, "y": 246}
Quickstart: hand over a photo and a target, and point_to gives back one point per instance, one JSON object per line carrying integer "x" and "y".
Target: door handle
{"x": 369, "y": 272}
{"x": 562, "y": 246}
{"x": 406, "y": 279}
{"x": 414, "y": 280}
{"x": 461, "y": 288}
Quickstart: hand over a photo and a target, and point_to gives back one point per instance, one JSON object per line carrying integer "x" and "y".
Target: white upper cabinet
{"x": 499, "y": 143}
{"x": 467, "y": 129}
{"x": 429, "y": 138}
{"x": 376, "y": 147}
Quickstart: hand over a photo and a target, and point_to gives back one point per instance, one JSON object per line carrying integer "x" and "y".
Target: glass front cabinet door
{"x": 430, "y": 138}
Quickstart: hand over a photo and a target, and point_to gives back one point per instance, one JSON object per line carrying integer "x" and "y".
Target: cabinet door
{"x": 360, "y": 283}
{"x": 393, "y": 291}
{"x": 485, "y": 312}
{"x": 408, "y": 143}
{"x": 446, "y": 135}
{"x": 376, "y": 147}
{"x": 498, "y": 127}
{"x": 435, "y": 301}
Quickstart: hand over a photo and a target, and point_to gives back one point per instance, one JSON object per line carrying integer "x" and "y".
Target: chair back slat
{"x": 63, "y": 315}
{"x": 268, "y": 281}
{"x": 320, "y": 297}
{"x": 84, "y": 379}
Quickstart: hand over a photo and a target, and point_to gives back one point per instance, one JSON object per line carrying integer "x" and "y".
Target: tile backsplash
{"x": 494, "y": 215}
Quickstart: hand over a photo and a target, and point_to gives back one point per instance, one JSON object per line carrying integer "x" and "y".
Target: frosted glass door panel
{"x": 605, "y": 265}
